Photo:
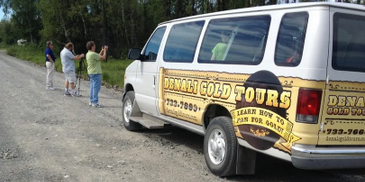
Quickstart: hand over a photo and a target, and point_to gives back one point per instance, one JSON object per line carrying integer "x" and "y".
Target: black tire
{"x": 221, "y": 125}
{"x": 129, "y": 124}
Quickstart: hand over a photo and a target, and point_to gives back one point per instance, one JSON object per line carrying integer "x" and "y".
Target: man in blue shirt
{"x": 50, "y": 61}
{"x": 68, "y": 68}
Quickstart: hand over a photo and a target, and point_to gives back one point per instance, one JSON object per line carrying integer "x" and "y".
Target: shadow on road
{"x": 107, "y": 106}
{"x": 267, "y": 168}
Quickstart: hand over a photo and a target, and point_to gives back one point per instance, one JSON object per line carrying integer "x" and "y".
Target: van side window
{"x": 240, "y": 40}
{"x": 348, "y": 42}
{"x": 150, "y": 53}
{"x": 182, "y": 41}
{"x": 290, "y": 41}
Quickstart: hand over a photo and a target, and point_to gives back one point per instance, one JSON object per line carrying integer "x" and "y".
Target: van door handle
{"x": 154, "y": 81}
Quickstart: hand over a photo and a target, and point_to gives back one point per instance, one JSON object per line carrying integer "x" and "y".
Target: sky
{"x": 1, "y": 13}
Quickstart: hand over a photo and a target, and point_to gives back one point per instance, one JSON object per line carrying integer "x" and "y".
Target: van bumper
{"x": 315, "y": 158}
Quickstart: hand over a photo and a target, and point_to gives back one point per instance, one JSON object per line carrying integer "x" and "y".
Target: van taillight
{"x": 309, "y": 103}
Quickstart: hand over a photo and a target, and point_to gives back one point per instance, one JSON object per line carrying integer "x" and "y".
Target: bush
{"x": 11, "y": 51}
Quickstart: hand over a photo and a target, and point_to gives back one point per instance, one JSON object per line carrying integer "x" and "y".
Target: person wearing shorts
{"x": 68, "y": 68}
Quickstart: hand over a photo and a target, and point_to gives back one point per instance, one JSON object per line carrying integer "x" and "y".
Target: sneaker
{"x": 96, "y": 105}
{"x": 76, "y": 95}
{"x": 50, "y": 88}
{"x": 67, "y": 94}
{"x": 90, "y": 104}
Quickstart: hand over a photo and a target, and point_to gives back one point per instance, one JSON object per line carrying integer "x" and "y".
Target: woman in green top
{"x": 94, "y": 70}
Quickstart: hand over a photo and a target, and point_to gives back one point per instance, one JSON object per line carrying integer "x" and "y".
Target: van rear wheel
{"x": 220, "y": 147}
{"x": 127, "y": 110}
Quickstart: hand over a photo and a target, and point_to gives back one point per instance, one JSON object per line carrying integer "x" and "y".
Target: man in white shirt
{"x": 68, "y": 68}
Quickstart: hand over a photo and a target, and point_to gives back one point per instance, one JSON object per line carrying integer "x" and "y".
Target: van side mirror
{"x": 134, "y": 54}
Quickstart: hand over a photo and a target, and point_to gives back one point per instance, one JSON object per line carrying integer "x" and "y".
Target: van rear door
{"x": 343, "y": 119}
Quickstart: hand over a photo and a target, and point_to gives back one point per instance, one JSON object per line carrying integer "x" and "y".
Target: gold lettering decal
{"x": 351, "y": 101}
{"x": 260, "y": 95}
{"x": 171, "y": 84}
{"x": 183, "y": 85}
{"x": 239, "y": 90}
{"x": 250, "y": 94}
{"x": 217, "y": 92}
{"x": 330, "y": 111}
{"x": 177, "y": 84}
{"x": 341, "y": 101}
{"x": 167, "y": 82}
{"x": 332, "y": 100}
{"x": 285, "y": 99}
{"x": 226, "y": 91}
{"x": 195, "y": 91}
{"x": 190, "y": 88}
{"x": 272, "y": 98}
{"x": 360, "y": 102}
{"x": 203, "y": 88}
{"x": 210, "y": 89}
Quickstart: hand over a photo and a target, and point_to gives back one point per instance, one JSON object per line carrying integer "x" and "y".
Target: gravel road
{"x": 45, "y": 136}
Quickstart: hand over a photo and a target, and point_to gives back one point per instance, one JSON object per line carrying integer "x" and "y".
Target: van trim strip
{"x": 345, "y": 119}
{"x": 316, "y": 150}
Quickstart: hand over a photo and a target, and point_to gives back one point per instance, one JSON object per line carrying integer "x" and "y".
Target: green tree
{"x": 9, "y": 33}
{"x": 25, "y": 16}
{"x": 65, "y": 21}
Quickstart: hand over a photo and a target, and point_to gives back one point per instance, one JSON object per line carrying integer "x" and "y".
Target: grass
{"x": 113, "y": 69}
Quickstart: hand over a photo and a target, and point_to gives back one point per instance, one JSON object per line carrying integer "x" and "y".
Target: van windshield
{"x": 348, "y": 42}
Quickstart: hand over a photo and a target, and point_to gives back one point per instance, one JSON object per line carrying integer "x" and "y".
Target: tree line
{"x": 120, "y": 24}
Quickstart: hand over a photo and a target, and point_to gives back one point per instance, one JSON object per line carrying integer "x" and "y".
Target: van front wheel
{"x": 127, "y": 110}
{"x": 220, "y": 147}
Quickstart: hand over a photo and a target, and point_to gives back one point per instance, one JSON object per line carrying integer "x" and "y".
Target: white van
{"x": 284, "y": 80}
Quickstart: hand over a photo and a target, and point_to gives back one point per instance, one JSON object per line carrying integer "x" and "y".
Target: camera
{"x": 107, "y": 52}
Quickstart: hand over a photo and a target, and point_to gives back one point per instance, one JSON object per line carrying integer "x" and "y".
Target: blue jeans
{"x": 95, "y": 84}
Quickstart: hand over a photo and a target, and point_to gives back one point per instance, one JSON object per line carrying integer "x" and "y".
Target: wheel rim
{"x": 217, "y": 146}
{"x": 127, "y": 110}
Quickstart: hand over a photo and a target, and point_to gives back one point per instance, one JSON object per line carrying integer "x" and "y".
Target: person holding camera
{"x": 68, "y": 67}
{"x": 93, "y": 60}
{"x": 50, "y": 62}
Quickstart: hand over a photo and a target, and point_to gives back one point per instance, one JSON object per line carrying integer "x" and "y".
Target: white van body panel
{"x": 145, "y": 88}
{"x": 146, "y": 93}
{"x": 131, "y": 73}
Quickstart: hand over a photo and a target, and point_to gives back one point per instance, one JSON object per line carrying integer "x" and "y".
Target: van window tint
{"x": 239, "y": 40}
{"x": 153, "y": 45}
{"x": 348, "y": 42}
{"x": 290, "y": 41}
{"x": 182, "y": 41}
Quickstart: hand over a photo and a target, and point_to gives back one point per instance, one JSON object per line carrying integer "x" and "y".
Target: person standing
{"x": 93, "y": 60}
{"x": 50, "y": 63}
{"x": 68, "y": 68}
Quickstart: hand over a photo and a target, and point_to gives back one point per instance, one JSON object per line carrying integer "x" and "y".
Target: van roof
{"x": 273, "y": 7}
